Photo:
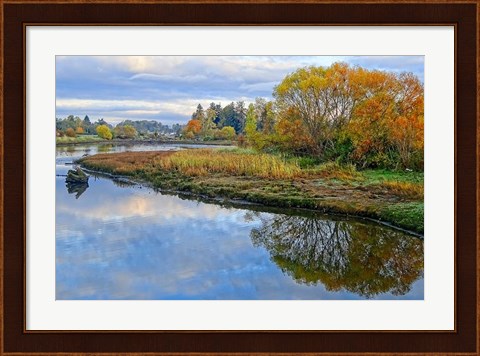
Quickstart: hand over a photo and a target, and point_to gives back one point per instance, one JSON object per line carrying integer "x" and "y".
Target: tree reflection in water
{"x": 362, "y": 258}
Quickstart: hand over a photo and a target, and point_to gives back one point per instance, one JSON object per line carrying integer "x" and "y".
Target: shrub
{"x": 70, "y": 132}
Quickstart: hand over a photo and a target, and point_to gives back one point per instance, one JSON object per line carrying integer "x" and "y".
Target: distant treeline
{"x": 74, "y": 125}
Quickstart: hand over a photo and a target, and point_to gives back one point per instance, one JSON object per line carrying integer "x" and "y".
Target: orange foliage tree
{"x": 368, "y": 117}
{"x": 193, "y": 128}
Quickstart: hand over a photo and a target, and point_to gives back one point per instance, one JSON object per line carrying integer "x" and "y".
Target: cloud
{"x": 170, "y": 78}
{"x": 258, "y": 87}
{"x": 169, "y": 88}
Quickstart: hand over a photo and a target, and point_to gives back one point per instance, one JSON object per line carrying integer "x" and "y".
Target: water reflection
{"x": 365, "y": 259}
{"x": 76, "y": 188}
{"x": 105, "y": 148}
{"x": 120, "y": 241}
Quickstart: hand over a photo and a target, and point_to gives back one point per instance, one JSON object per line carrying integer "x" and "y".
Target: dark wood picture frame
{"x": 16, "y": 14}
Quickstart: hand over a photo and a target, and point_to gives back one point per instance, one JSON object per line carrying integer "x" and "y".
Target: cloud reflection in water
{"x": 131, "y": 243}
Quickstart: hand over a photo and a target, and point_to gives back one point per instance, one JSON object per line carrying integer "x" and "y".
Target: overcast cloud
{"x": 168, "y": 88}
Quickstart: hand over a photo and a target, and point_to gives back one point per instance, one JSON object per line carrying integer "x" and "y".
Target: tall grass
{"x": 125, "y": 162}
{"x": 404, "y": 189}
{"x": 333, "y": 170}
{"x": 201, "y": 162}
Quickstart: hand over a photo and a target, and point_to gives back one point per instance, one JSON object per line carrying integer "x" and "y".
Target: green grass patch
{"x": 407, "y": 215}
{"x": 380, "y": 175}
{"x": 78, "y": 139}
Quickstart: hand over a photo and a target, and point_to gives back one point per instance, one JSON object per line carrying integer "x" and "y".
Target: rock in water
{"x": 76, "y": 176}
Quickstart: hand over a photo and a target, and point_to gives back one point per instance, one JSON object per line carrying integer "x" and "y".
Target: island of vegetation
{"x": 337, "y": 139}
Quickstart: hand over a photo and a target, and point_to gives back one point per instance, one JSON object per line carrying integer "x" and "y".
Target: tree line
{"x": 72, "y": 126}
{"x": 369, "y": 118}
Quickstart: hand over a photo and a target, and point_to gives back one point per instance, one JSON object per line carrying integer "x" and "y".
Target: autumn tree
{"x": 407, "y": 128}
{"x": 387, "y": 126}
{"x": 192, "y": 128}
{"x": 291, "y": 134}
{"x": 70, "y": 132}
{"x": 125, "y": 131}
{"x": 368, "y": 131}
{"x": 368, "y": 117}
{"x": 104, "y": 132}
{"x": 322, "y": 98}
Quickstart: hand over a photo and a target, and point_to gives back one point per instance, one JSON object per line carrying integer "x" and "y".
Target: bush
{"x": 70, "y": 132}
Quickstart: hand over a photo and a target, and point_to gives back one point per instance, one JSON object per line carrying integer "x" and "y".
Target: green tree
{"x": 208, "y": 124}
{"x": 251, "y": 125}
{"x": 240, "y": 116}
{"x": 228, "y": 133}
{"x": 199, "y": 114}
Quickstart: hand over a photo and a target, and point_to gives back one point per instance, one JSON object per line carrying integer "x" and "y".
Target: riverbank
{"x": 391, "y": 197}
{"x": 68, "y": 141}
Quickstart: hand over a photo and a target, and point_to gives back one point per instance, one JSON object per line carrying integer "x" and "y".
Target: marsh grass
{"x": 198, "y": 162}
{"x": 408, "y": 190}
{"x": 127, "y": 163}
{"x": 202, "y": 162}
{"x": 333, "y": 170}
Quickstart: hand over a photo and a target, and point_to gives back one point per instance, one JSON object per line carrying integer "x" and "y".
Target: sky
{"x": 168, "y": 88}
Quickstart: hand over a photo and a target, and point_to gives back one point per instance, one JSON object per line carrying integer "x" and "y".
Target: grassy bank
{"x": 65, "y": 140}
{"x": 393, "y": 197}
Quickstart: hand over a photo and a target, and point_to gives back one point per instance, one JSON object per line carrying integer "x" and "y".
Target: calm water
{"x": 127, "y": 242}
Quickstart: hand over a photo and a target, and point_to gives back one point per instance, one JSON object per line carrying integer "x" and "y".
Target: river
{"x": 129, "y": 242}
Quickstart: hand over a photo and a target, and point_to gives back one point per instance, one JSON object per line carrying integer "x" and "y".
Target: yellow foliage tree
{"x": 103, "y": 131}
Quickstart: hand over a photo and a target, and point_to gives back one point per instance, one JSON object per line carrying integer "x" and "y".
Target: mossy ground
{"x": 393, "y": 197}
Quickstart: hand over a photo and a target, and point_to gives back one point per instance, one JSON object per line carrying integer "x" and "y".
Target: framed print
{"x": 261, "y": 178}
